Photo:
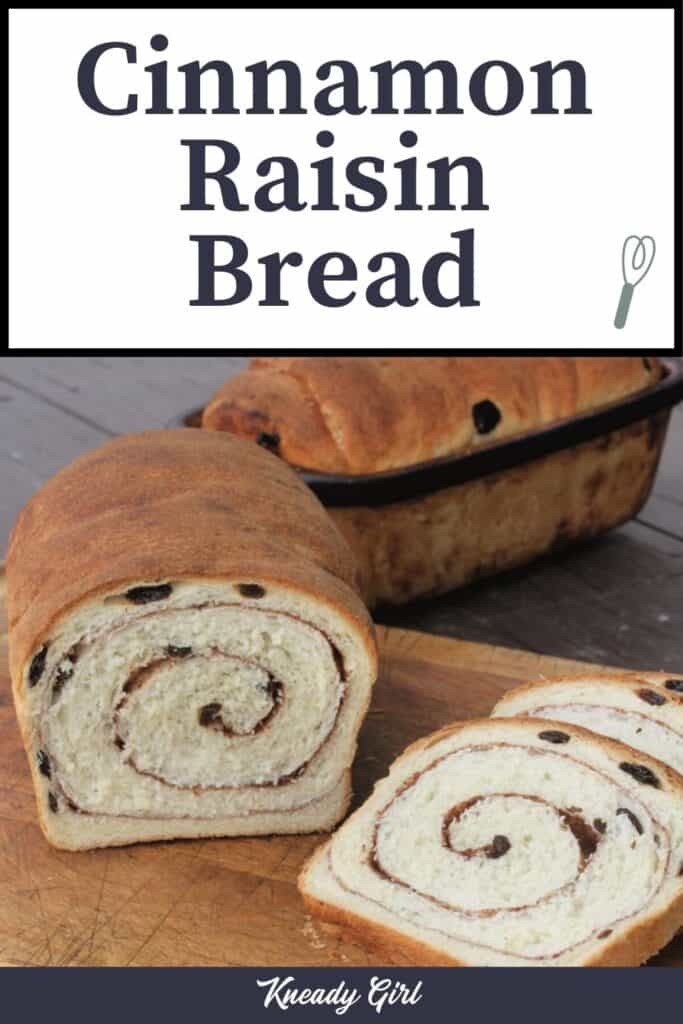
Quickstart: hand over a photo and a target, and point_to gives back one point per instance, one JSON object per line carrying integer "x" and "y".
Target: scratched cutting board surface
{"x": 221, "y": 902}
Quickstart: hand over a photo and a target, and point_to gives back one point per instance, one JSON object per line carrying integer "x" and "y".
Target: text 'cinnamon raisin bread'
{"x": 189, "y": 654}
{"x": 643, "y": 709}
{"x": 510, "y": 842}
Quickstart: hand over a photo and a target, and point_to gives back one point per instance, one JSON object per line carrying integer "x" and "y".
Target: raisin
{"x": 554, "y": 736}
{"x": 486, "y": 416}
{"x": 254, "y": 590}
{"x": 641, "y": 774}
{"x": 498, "y": 848}
{"x": 650, "y": 697}
{"x": 44, "y": 764}
{"x": 647, "y": 364}
{"x": 271, "y": 688}
{"x": 600, "y": 825}
{"x": 632, "y": 818}
{"x": 674, "y": 684}
{"x": 209, "y": 713}
{"x": 52, "y": 801}
{"x": 271, "y": 442}
{"x": 178, "y": 652}
{"x": 585, "y": 836}
{"x": 143, "y": 595}
{"x": 604, "y": 935}
{"x": 63, "y": 676}
{"x": 37, "y": 665}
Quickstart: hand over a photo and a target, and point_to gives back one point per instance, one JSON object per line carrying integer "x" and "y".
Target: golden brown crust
{"x": 630, "y": 948}
{"x": 167, "y": 505}
{"x": 360, "y": 414}
{"x": 610, "y": 677}
{"x": 642, "y": 942}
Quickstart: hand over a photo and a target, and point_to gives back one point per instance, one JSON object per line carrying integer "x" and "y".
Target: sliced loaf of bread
{"x": 644, "y": 710}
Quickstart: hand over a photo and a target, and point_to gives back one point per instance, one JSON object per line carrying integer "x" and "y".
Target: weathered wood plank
{"x": 36, "y": 439}
{"x": 669, "y": 482}
{"x": 664, "y": 510}
{"x": 664, "y": 514}
{"x": 121, "y": 394}
{"x": 616, "y": 600}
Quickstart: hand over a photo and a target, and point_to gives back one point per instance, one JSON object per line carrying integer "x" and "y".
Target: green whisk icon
{"x": 637, "y": 255}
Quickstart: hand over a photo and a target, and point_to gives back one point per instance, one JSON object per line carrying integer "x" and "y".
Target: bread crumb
{"x": 312, "y": 935}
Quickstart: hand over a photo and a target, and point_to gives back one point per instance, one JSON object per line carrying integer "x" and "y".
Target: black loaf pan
{"x": 376, "y": 489}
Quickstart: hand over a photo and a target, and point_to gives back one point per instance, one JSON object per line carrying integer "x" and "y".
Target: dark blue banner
{"x": 503, "y": 996}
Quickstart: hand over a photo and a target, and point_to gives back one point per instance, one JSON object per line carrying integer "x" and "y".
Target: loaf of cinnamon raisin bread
{"x": 368, "y": 414}
{"x": 364, "y": 416}
{"x": 189, "y": 653}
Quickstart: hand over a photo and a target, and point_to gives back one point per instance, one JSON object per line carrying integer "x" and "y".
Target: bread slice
{"x": 189, "y": 654}
{"x": 510, "y": 842}
{"x": 643, "y": 709}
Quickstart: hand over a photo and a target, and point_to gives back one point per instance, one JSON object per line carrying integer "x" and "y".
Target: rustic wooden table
{"x": 618, "y": 599}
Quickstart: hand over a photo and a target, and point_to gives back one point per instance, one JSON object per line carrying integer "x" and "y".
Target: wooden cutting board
{"x": 224, "y": 901}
